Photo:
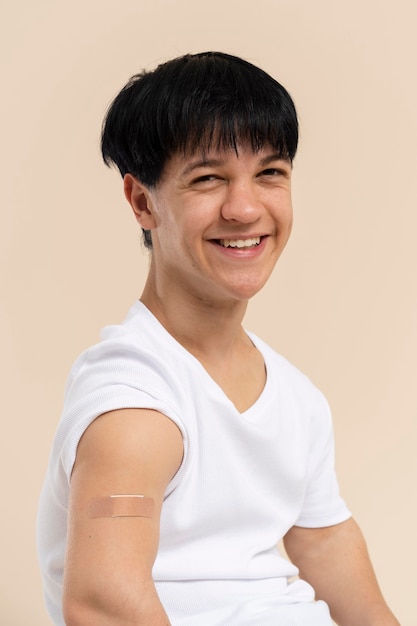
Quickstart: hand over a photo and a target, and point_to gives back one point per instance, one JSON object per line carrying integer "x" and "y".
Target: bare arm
{"x": 335, "y": 562}
{"x": 108, "y": 569}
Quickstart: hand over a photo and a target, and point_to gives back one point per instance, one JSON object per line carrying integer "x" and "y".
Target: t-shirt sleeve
{"x": 323, "y": 505}
{"x": 104, "y": 380}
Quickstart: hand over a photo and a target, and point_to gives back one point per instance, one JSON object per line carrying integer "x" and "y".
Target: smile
{"x": 240, "y": 243}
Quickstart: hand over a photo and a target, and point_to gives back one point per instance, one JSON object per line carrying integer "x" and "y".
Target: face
{"x": 219, "y": 222}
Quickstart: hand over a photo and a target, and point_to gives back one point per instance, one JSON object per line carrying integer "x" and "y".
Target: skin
{"x": 199, "y": 290}
{"x": 336, "y": 563}
{"x": 109, "y": 559}
{"x": 197, "y": 203}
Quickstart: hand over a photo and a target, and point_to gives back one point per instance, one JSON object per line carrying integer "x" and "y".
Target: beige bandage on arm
{"x": 121, "y": 505}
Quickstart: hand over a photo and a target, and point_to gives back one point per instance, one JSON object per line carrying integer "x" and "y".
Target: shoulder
{"x": 298, "y": 397}
{"x": 130, "y": 368}
{"x": 136, "y": 354}
{"x": 281, "y": 368}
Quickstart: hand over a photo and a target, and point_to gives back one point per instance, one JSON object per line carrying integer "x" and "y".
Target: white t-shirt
{"x": 245, "y": 480}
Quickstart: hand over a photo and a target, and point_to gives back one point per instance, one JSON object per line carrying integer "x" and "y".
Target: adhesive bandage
{"x": 121, "y": 505}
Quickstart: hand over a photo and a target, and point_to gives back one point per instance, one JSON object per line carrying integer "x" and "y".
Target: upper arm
{"x": 109, "y": 560}
{"x": 335, "y": 561}
{"x": 303, "y": 543}
{"x": 331, "y": 551}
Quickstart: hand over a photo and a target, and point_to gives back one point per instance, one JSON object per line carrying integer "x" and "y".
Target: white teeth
{"x": 240, "y": 243}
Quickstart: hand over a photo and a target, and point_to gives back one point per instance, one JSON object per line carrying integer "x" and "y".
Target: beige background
{"x": 342, "y": 304}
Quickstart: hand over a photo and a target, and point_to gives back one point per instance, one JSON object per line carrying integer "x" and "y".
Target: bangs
{"x": 228, "y": 132}
{"x": 215, "y": 105}
{"x": 192, "y": 104}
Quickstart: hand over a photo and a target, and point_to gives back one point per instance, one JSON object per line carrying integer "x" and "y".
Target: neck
{"x": 209, "y": 330}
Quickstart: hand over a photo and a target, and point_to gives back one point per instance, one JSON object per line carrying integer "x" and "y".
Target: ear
{"x": 139, "y": 198}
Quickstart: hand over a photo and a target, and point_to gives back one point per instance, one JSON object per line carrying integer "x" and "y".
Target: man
{"x": 188, "y": 448}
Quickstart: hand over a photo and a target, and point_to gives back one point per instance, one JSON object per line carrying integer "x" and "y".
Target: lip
{"x": 238, "y": 237}
{"x": 240, "y": 253}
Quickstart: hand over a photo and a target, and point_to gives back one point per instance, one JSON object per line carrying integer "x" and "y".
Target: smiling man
{"x": 188, "y": 448}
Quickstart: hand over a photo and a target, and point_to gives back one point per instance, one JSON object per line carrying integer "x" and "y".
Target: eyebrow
{"x": 274, "y": 157}
{"x": 218, "y": 162}
{"x": 202, "y": 163}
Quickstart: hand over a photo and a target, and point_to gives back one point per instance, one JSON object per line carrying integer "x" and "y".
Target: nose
{"x": 241, "y": 203}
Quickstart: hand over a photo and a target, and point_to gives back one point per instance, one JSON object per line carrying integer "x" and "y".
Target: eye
{"x": 205, "y": 181}
{"x": 205, "y": 178}
{"x": 274, "y": 172}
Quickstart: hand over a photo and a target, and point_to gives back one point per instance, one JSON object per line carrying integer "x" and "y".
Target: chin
{"x": 245, "y": 292}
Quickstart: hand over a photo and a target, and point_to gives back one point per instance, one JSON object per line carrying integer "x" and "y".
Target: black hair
{"x": 190, "y": 104}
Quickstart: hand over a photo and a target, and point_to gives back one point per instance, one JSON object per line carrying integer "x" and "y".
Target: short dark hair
{"x": 192, "y": 103}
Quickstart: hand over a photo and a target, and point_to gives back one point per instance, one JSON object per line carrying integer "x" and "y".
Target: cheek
{"x": 166, "y": 224}
{"x": 284, "y": 216}
{"x": 175, "y": 236}
{"x": 290, "y": 219}
{"x": 183, "y": 224}
{"x": 289, "y": 210}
